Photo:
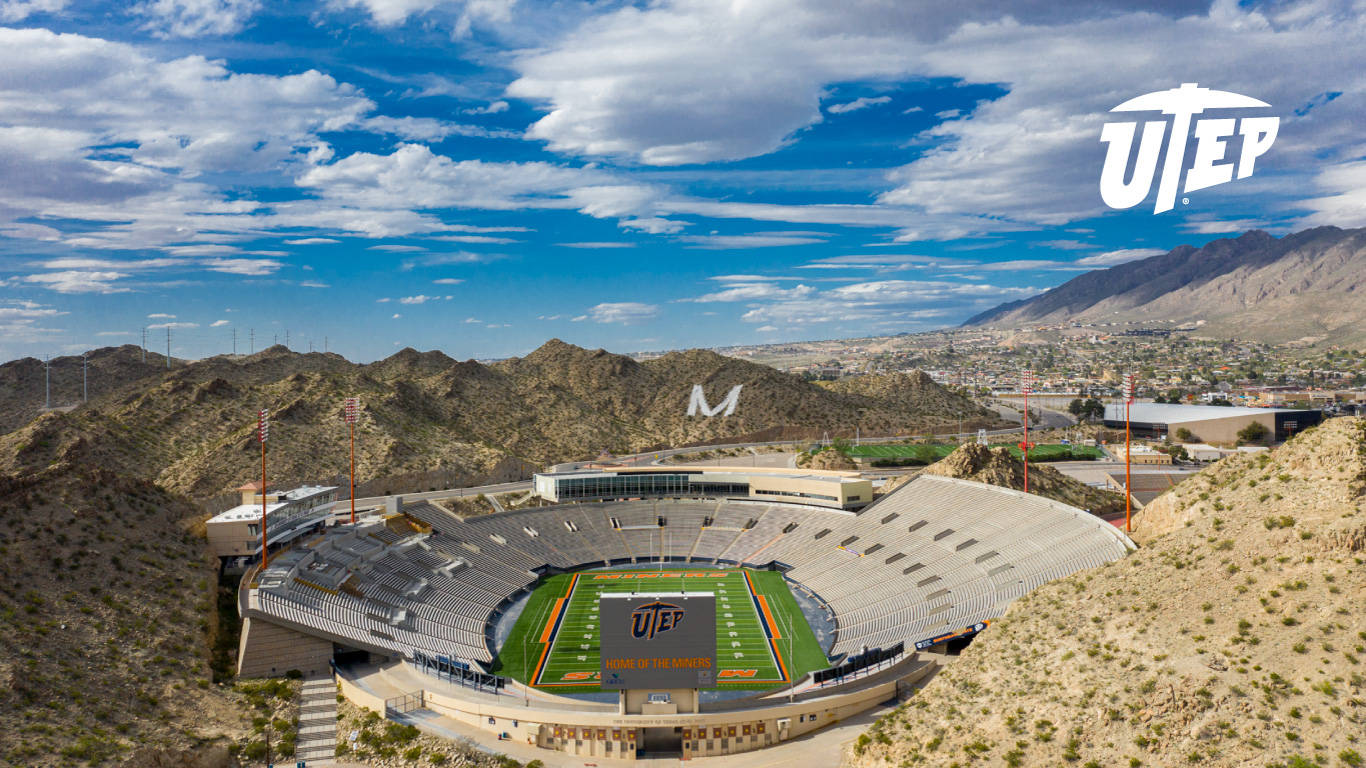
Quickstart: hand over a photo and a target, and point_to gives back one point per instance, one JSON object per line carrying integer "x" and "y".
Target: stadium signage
{"x": 1208, "y": 167}
{"x": 657, "y": 641}
{"x": 698, "y": 402}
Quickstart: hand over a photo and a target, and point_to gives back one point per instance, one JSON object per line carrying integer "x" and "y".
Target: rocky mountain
{"x": 430, "y": 421}
{"x": 1234, "y": 636}
{"x": 1306, "y": 287}
{"x": 997, "y": 466}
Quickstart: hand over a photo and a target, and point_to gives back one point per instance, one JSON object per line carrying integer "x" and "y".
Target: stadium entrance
{"x": 661, "y": 742}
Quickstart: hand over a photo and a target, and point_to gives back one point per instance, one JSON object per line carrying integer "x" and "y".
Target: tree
{"x": 1075, "y": 407}
{"x": 1255, "y": 432}
{"x": 1185, "y": 435}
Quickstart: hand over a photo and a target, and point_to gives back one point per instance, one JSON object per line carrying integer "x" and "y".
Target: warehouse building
{"x": 1209, "y": 423}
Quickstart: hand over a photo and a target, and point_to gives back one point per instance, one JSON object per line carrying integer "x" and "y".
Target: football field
{"x": 761, "y": 637}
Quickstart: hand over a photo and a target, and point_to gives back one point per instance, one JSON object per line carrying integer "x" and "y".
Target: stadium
{"x": 782, "y": 614}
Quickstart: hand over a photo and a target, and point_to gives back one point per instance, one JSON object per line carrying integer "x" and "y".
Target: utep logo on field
{"x": 1208, "y": 168}
{"x": 652, "y": 618}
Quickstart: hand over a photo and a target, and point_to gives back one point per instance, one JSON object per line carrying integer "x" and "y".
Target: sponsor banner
{"x": 921, "y": 645}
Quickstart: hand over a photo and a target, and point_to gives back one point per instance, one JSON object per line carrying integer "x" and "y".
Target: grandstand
{"x": 933, "y": 557}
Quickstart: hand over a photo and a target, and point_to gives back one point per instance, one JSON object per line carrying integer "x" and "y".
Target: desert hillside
{"x": 430, "y": 421}
{"x": 996, "y": 466}
{"x": 1234, "y": 637}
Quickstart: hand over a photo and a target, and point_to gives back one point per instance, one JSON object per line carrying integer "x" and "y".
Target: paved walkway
{"x": 317, "y": 744}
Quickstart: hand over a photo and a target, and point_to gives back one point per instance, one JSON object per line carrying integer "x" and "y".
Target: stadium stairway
{"x": 317, "y": 743}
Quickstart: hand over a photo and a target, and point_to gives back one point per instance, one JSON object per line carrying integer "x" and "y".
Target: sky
{"x": 478, "y": 176}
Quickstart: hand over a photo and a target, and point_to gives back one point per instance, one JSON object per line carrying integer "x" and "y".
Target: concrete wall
{"x": 268, "y": 650}
{"x": 1225, "y": 430}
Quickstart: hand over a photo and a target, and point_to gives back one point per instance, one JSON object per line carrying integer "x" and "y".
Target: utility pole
{"x": 251, "y": 334}
{"x": 310, "y": 346}
{"x": 234, "y": 342}
{"x": 144, "y": 344}
{"x": 286, "y": 338}
{"x": 324, "y": 345}
{"x": 47, "y": 383}
{"x": 168, "y": 346}
{"x": 85, "y": 378}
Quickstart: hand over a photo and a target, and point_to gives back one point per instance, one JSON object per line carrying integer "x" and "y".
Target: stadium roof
{"x": 1175, "y": 413}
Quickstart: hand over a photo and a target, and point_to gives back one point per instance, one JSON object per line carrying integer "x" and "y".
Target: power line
{"x": 47, "y": 382}
{"x": 144, "y": 344}
{"x": 234, "y": 342}
{"x": 251, "y": 333}
{"x": 168, "y": 346}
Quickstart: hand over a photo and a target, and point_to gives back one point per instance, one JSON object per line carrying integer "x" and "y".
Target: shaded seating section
{"x": 935, "y": 555}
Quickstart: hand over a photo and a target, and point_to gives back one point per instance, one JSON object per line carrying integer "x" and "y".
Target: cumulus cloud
{"x": 160, "y": 316}
{"x": 19, "y": 10}
{"x": 1121, "y": 256}
{"x": 219, "y": 323}
{"x": 173, "y": 325}
{"x": 195, "y": 18}
{"x": 461, "y": 14}
{"x": 623, "y": 312}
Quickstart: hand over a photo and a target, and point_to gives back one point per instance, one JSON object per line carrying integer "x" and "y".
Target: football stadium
{"x": 662, "y": 613}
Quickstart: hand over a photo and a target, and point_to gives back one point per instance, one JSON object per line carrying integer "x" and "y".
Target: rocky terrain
{"x": 429, "y": 421}
{"x": 1235, "y": 636}
{"x": 996, "y": 466}
{"x": 1305, "y": 287}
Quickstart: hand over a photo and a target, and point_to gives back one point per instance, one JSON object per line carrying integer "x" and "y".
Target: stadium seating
{"x": 934, "y": 556}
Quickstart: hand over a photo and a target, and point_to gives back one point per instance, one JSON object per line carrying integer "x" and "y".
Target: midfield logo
{"x": 652, "y": 618}
{"x": 1206, "y": 170}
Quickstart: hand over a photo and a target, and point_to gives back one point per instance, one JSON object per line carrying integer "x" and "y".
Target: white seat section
{"x": 935, "y": 555}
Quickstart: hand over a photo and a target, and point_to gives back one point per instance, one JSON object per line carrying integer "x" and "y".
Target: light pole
{"x": 1026, "y": 384}
{"x": 1128, "y": 492}
{"x": 263, "y": 432}
{"x": 352, "y": 411}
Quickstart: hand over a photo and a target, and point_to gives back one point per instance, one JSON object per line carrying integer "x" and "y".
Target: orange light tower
{"x": 1128, "y": 392}
{"x": 262, "y": 432}
{"x": 352, "y": 412}
{"x": 1026, "y": 385}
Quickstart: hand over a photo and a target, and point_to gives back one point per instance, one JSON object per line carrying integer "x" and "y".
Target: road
{"x": 631, "y": 460}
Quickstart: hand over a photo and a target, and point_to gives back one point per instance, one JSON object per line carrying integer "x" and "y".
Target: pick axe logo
{"x": 1211, "y": 134}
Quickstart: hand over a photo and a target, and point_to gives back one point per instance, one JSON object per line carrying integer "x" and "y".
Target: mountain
{"x": 1234, "y": 636}
{"x": 1305, "y": 287}
{"x": 430, "y": 421}
{"x": 996, "y": 466}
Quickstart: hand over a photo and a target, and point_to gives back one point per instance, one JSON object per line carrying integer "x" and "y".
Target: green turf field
{"x": 932, "y": 453}
{"x": 762, "y": 637}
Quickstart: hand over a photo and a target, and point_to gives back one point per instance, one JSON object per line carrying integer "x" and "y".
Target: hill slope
{"x": 429, "y": 421}
{"x": 1307, "y": 286}
{"x": 1234, "y": 637}
{"x": 996, "y": 466}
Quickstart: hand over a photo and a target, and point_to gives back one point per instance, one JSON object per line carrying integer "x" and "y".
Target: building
{"x": 1209, "y": 423}
{"x": 1206, "y": 452}
{"x": 236, "y": 533}
{"x": 1145, "y": 486}
{"x": 1142, "y": 454}
{"x": 826, "y": 488}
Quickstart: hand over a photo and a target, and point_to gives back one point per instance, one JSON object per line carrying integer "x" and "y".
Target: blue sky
{"x": 478, "y": 176}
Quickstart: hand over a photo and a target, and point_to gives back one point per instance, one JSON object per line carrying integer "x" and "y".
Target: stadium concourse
{"x": 415, "y": 594}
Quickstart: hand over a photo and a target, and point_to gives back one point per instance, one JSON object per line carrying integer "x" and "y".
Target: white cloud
{"x": 418, "y": 299}
{"x": 19, "y": 10}
{"x": 219, "y": 323}
{"x": 624, "y": 312}
{"x": 493, "y": 108}
{"x": 74, "y": 281}
{"x": 755, "y": 240}
{"x": 195, "y": 18}
{"x": 397, "y": 248}
{"x": 160, "y": 316}
{"x": 313, "y": 284}
{"x": 110, "y": 334}
{"x": 463, "y": 13}
{"x": 750, "y": 291}
{"x": 473, "y": 320}
{"x": 1121, "y": 256}
{"x": 598, "y": 244}
{"x": 1205, "y": 226}
{"x": 396, "y": 316}
{"x": 862, "y": 102}
{"x": 448, "y": 281}
{"x": 766, "y": 328}
{"x": 384, "y": 300}
{"x": 249, "y": 267}
{"x": 173, "y": 325}
{"x": 312, "y": 241}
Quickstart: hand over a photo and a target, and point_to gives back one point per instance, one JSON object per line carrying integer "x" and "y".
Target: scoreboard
{"x": 658, "y": 640}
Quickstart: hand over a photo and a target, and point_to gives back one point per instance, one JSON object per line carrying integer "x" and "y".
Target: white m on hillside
{"x": 698, "y": 402}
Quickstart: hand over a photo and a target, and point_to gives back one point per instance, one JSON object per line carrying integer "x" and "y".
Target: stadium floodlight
{"x": 1026, "y": 386}
{"x": 352, "y": 410}
{"x": 1128, "y": 392}
{"x": 262, "y": 433}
